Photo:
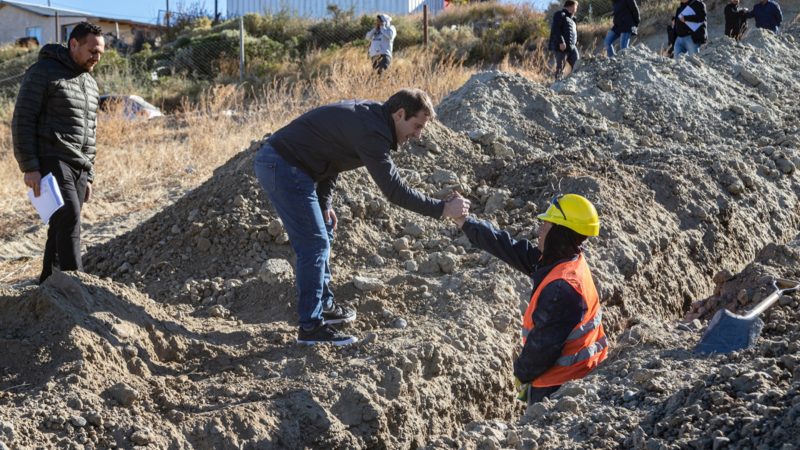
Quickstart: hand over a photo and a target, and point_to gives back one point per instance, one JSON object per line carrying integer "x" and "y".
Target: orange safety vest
{"x": 586, "y": 345}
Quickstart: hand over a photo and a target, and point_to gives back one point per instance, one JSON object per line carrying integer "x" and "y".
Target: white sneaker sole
{"x": 346, "y": 320}
{"x": 351, "y": 340}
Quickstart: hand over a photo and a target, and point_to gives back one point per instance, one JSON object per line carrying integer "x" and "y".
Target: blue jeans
{"x": 611, "y": 37}
{"x": 685, "y": 44}
{"x": 293, "y": 193}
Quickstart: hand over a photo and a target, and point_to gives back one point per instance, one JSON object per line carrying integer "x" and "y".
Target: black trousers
{"x": 571, "y": 56}
{"x": 63, "y": 248}
{"x": 537, "y": 394}
{"x": 381, "y": 62}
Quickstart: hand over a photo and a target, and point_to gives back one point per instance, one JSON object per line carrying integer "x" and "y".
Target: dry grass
{"x": 592, "y": 33}
{"x": 536, "y": 65}
{"x": 141, "y": 165}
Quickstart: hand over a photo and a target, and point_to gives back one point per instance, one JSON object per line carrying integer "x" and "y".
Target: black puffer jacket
{"x": 563, "y": 31}
{"x": 55, "y": 114}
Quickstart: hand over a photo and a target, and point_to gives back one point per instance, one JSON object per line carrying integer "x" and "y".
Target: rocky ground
{"x": 182, "y": 333}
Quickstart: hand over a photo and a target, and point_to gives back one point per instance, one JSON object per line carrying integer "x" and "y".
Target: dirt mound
{"x": 114, "y": 368}
{"x": 693, "y": 168}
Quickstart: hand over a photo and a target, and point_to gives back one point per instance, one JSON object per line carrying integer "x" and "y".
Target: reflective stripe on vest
{"x": 584, "y": 354}
{"x": 586, "y": 346}
{"x": 577, "y": 332}
{"x": 587, "y": 327}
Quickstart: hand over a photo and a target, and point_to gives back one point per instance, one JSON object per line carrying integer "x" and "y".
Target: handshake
{"x": 456, "y": 207}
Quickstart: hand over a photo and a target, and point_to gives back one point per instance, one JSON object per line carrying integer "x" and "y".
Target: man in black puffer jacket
{"x": 564, "y": 37}
{"x": 53, "y": 130}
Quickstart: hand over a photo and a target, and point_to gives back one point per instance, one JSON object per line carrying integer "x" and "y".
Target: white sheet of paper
{"x": 49, "y": 199}
{"x": 688, "y": 11}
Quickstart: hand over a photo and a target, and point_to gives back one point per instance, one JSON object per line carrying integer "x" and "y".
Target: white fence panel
{"x": 318, "y": 9}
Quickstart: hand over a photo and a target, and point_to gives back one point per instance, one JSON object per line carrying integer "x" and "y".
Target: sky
{"x": 148, "y": 10}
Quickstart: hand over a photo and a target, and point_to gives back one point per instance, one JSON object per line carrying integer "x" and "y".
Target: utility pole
{"x": 166, "y": 16}
{"x": 58, "y": 29}
{"x": 216, "y": 13}
{"x": 425, "y": 24}
{"x": 241, "y": 48}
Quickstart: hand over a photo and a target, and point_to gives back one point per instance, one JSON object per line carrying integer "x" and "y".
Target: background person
{"x": 564, "y": 38}
{"x": 690, "y": 27}
{"x": 626, "y": 23}
{"x": 735, "y": 20}
{"x": 768, "y": 15}
{"x": 53, "y": 129}
{"x": 381, "y": 42}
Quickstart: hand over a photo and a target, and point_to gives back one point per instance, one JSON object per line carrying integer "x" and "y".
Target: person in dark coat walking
{"x": 690, "y": 27}
{"x": 53, "y": 130}
{"x": 735, "y": 20}
{"x": 564, "y": 37}
{"x": 626, "y": 23}
{"x": 768, "y": 15}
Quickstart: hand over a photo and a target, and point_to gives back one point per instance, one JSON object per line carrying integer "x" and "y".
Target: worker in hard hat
{"x": 562, "y": 332}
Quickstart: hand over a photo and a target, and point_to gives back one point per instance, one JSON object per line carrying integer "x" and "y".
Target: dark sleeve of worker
{"x": 325, "y": 192}
{"x": 522, "y": 255}
{"x": 634, "y": 8}
{"x": 778, "y": 13}
{"x": 559, "y": 310}
{"x": 382, "y": 169}
{"x": 24, "y": 124}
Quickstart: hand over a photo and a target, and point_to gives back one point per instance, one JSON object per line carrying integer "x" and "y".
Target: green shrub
{"x": 455, "y": 41}
{"x": 409, "y": 31}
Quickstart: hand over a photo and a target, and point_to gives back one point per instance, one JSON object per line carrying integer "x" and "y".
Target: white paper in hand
{"x": 49, "y": 199}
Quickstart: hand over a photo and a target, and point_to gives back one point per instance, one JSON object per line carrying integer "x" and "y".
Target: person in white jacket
{"x": 381, "y": 40}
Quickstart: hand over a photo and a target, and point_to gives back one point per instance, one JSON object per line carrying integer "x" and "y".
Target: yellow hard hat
{"x": 574, "y": 212}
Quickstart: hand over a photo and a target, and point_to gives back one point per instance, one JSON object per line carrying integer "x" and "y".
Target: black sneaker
{"x": 324, "y": 334}
{"x": 339, "y": 314}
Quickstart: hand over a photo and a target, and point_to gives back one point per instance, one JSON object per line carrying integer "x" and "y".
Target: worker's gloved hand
{"x": 634, "y": 31}
{"x": 521, "y": 389}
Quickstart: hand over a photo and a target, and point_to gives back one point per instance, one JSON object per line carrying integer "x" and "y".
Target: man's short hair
{"x": 569, "y": 3}
{"x": 412, "y": 101}
{"x": 84, "y": 29}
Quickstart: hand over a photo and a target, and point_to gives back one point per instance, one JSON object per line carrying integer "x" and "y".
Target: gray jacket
{"x": 344, "y": 136}
{"x": 382, "y": 41}
{"x": 55, "y": 113}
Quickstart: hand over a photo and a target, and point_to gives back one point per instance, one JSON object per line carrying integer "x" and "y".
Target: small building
{"x": 318, "y": 9}
{"x": 50, "y": 24}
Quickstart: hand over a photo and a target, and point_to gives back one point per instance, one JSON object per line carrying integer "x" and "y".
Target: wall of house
{"x": 14, "y": 23}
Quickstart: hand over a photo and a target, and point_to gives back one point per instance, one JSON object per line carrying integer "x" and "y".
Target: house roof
{"x": 49, "y": 11}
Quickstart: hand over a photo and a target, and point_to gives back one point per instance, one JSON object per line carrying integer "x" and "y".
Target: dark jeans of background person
{"x": 381, "y": 63}
{"x": 63, "y": 248}
{"x": 571, "y": 56}
{"x": 293, "y": 193}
